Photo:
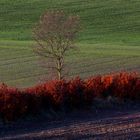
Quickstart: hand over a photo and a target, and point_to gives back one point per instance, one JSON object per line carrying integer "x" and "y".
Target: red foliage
{"x": 57, "y": 91}
{"x": 125, "y": 85}
{"x": 76, "y": 93}
{"x": 95, "y": 86}
{"x": 75, "y": 96}
{"x": 10, "y": 102}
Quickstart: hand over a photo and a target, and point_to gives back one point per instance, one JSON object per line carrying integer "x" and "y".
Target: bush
{"x": 67, "y": 95}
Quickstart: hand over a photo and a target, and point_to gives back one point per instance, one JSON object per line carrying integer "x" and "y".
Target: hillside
{"x": 103, "y": 20}
{"x": 109, "y": 40}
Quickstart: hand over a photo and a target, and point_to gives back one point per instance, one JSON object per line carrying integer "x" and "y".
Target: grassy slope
{"x": 110, "y": 39}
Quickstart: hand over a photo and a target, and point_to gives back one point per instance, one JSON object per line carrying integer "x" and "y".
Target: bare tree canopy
{"x": 55, "y": 35}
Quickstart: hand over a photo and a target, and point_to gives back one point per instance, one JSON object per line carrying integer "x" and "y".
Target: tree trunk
{"x": 59, "y": 69}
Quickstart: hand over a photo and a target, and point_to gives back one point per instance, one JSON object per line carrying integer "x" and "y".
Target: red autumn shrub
{"x": 76, "y": 93}
{"x": 107, "y": 85}
{"x": 75, "y": 96}
{"x": 57, "y": 91}
{"x": 37, "y": 98}
{"x": 124, "y": 85}
{"x": 95, "y": 86}
{"x": 135, "y": 95}
{"x": 9, "y": 101}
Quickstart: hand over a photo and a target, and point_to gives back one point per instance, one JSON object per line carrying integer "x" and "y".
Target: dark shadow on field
{"x": 93, "y": 123}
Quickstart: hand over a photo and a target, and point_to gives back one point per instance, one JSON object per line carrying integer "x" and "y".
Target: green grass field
{"x": 109, "y": 40}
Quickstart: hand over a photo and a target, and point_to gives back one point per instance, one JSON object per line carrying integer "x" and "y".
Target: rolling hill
{"x": 109, "y": 40}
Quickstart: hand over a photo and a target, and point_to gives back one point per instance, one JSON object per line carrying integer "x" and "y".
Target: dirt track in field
{"x": 102, "y": 125}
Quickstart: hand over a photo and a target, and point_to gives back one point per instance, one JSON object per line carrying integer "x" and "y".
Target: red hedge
{"x": 76, "y": 93}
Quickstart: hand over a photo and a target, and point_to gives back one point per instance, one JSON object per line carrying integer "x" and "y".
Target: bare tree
{"x": 55, "y": 35}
